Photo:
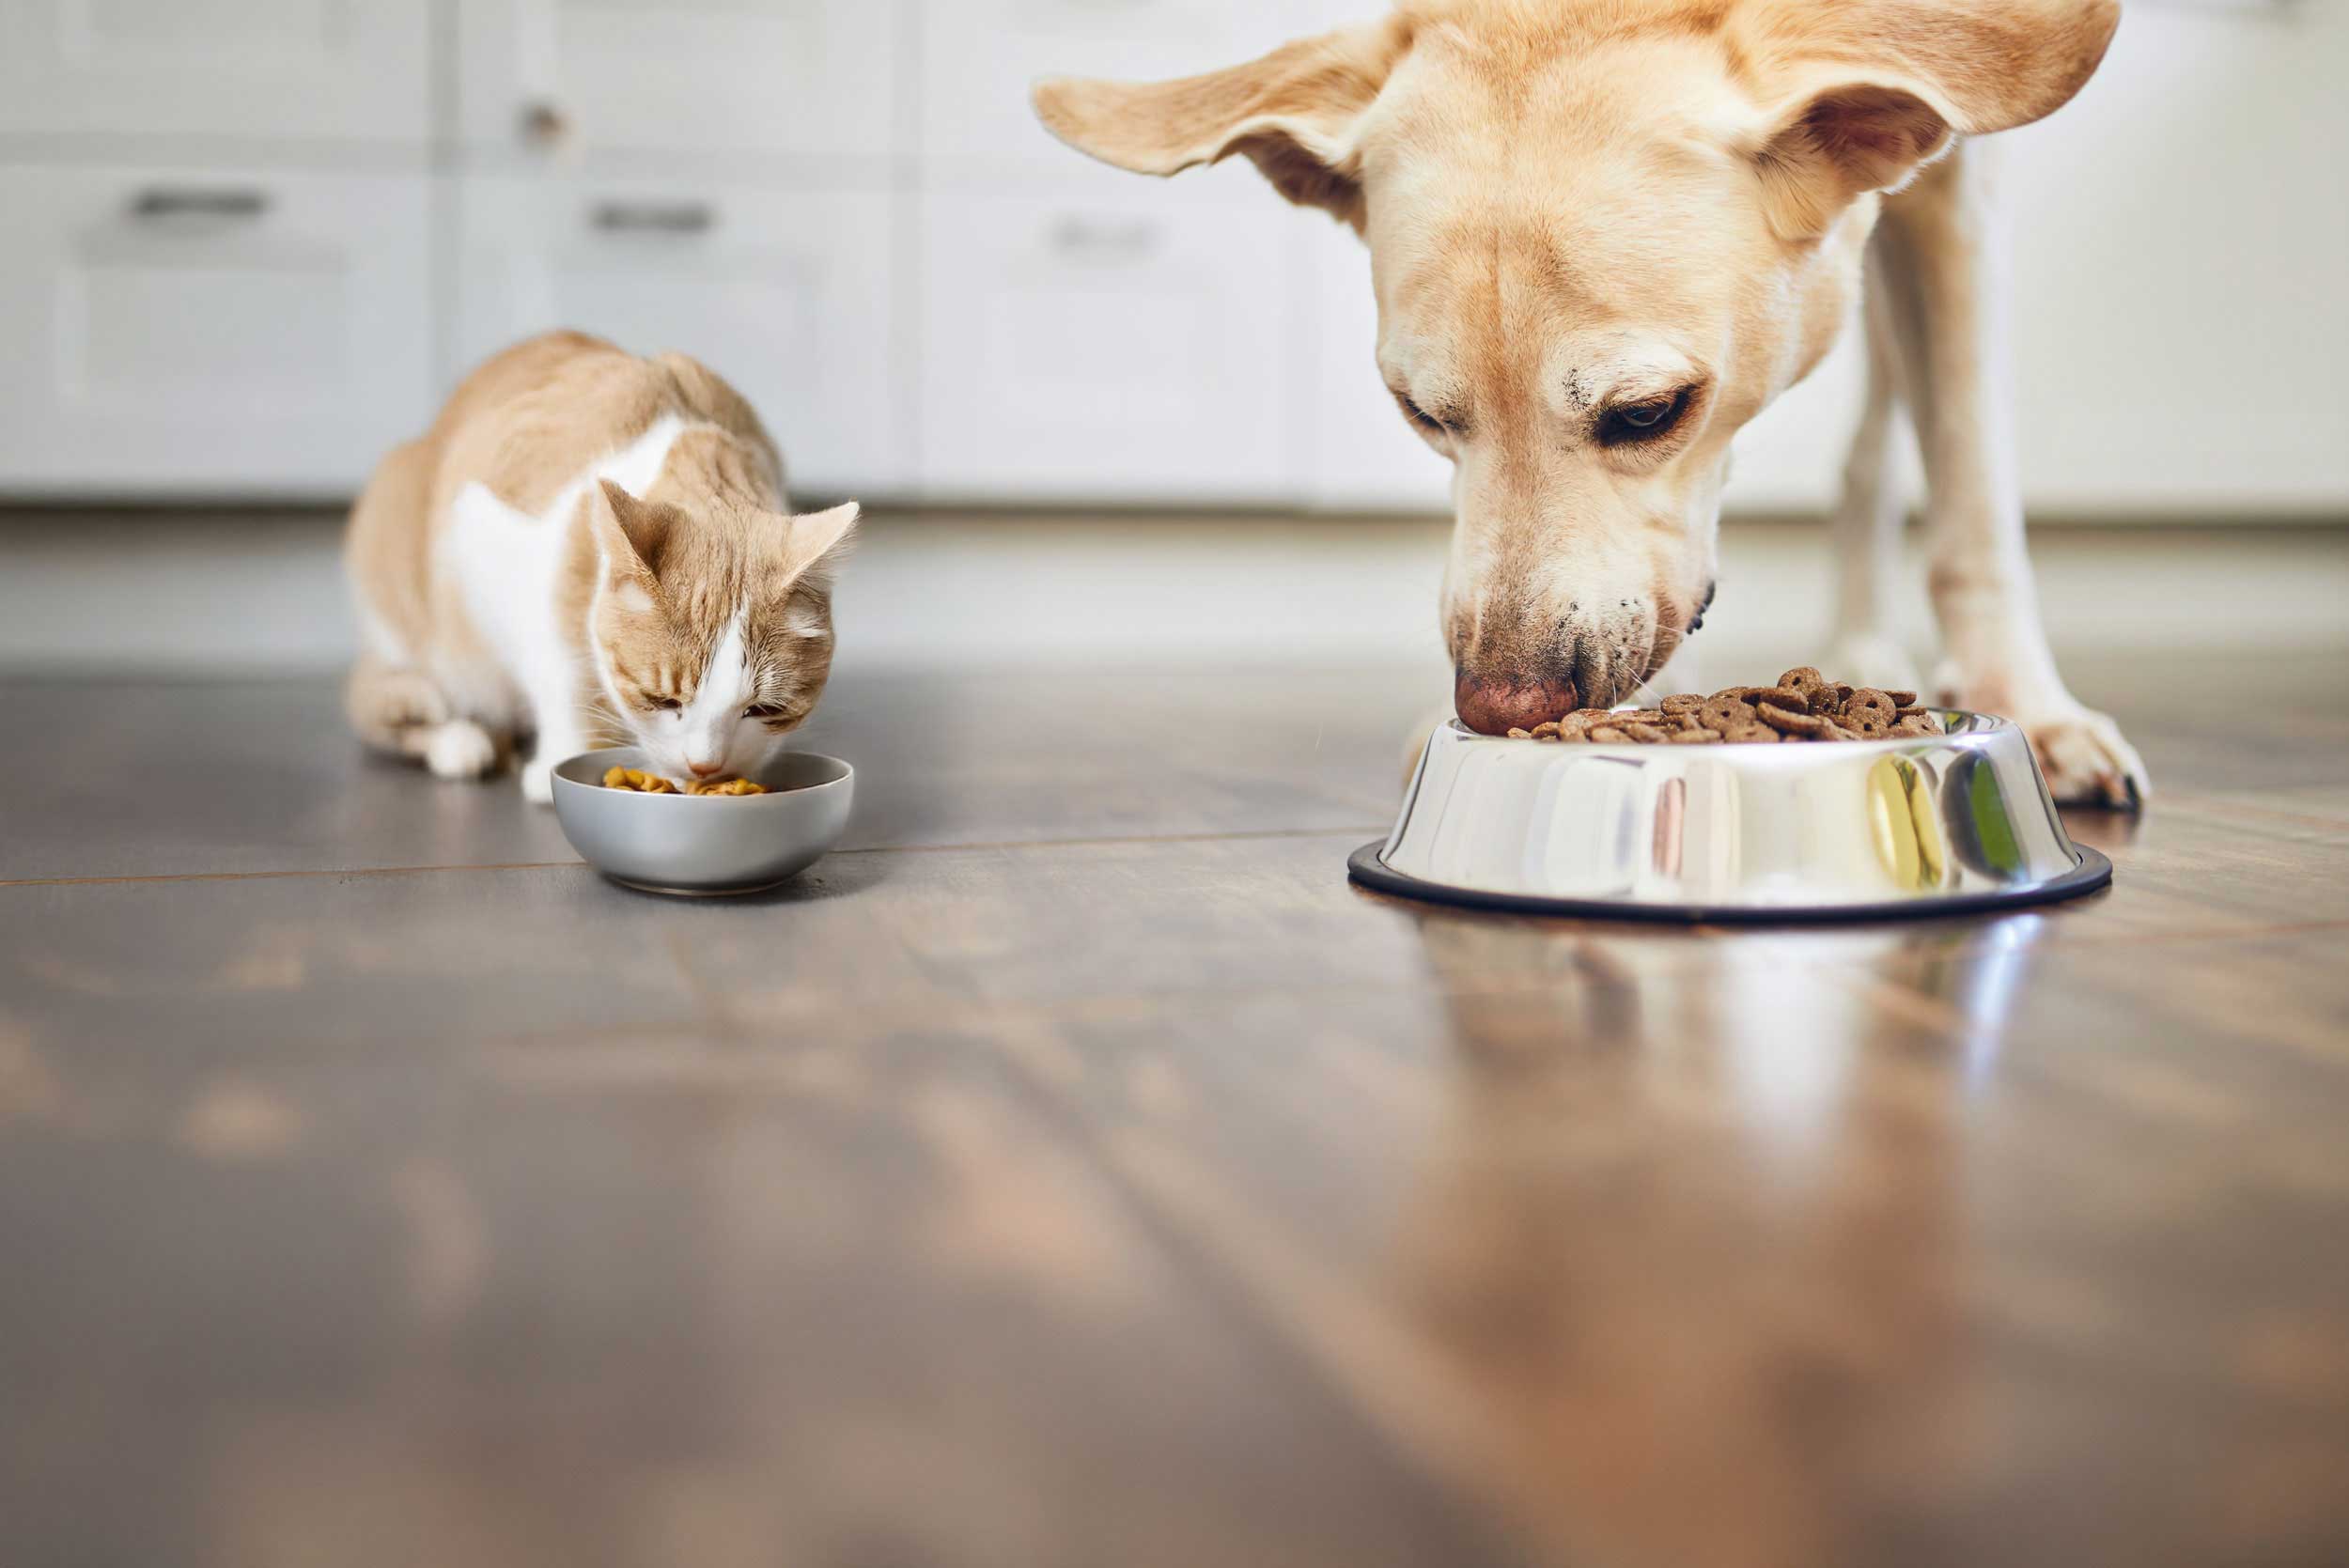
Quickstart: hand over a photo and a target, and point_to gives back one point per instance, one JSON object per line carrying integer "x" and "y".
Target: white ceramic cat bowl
{"x": 1948, "y": 824}
{"x": 705, "y": 847}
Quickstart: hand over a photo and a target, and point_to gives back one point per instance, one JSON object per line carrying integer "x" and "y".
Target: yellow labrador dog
{"x": 1605, "y": 234}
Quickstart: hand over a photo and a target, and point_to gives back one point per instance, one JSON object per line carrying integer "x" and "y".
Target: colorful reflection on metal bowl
{"x": 1915, "y": 826}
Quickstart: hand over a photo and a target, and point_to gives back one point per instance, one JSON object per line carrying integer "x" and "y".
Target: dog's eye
{"x": 1421, "y": 417}
{"x": 1648, "y": 420}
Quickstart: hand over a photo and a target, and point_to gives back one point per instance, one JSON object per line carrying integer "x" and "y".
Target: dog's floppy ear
{"x": 1861, "y": 93}
{"x": 1293, "y": 114}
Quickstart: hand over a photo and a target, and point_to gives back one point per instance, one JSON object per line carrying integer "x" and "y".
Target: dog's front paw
{"x": 538, "y": 783}
{"x": 1946, "y": 687}
{"x": 2083, "y": 755}
{"x": 1876, "y": 662}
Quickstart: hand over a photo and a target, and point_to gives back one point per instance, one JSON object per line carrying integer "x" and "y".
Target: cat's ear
{"x": 812, "y": 545}
{"x": 634, "y": 535}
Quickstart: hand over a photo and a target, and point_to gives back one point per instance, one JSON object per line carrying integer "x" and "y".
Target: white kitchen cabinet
{"x": 990, "y": 315}
{"x": 1790, "y": 459}
{"x": 979, "y": 58}
{"x": 1365, "y": 456}
{"x": 808, "y": 79}
{"x": 343, "y": 69}
{"x": 1116, "y": 340}
{"x": 787, "y": 293}
{"x": 215, "y": 330}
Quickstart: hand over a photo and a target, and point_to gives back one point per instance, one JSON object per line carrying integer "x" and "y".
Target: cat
{"x": 589, "y": 549}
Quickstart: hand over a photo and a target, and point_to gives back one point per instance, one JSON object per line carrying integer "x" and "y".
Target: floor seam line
{"x": 1268, "y": 835}
{"x": 279, "y": 876}
{"x": 1113, "y": 841}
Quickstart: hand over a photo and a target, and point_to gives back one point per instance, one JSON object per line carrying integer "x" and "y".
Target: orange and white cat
{"x": 589, "y": 549}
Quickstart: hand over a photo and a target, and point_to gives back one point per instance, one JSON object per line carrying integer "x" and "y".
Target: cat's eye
{"x": 667, "y": 705}
{"x": 1648, "y": 420}
{"x": 764, "y": 715}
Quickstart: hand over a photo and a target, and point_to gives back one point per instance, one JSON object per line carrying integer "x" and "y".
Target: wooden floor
{"x": 1079, "y": 1172}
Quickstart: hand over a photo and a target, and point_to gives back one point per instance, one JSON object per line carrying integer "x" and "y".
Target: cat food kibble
{"x": 1803, "y": 707}
{"x": 633, "y": 781}
{"x": 630, "y": 780}
{"x": 736, "y": 787}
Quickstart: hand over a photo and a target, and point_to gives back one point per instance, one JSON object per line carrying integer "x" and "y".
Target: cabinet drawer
{"x": 349, "y": 70}
{"x": 1125, "y": 340}
{"x": 788, "y": 294}
{"x": 224, "y": 331}
{"x": 797, "y": 78}
{"x": 980, "y": 57}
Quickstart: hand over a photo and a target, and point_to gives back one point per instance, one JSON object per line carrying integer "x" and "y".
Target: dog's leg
{"x": 1945, "y": 256}
{"x": 1870, "y": 523}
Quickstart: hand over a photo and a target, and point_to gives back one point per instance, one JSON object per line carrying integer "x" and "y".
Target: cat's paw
{"x": 385, "y": 702}
{"x": 1876, "y": 662}
{"x": 461, "y": 751}
{"x": 2084, "y": 757}
{"x": 538, "y": 783}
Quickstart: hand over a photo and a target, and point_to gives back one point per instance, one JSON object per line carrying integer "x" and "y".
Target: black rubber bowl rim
{"x": 2093, "y": 873}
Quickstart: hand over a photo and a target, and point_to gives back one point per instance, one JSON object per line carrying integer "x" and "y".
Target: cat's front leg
{"x": 539, "y": 776}
{"x": 562, "y": 735}
{"x": 460, "y": 750}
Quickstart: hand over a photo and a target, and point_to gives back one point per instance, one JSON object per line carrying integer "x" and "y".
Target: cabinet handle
{"x": 1085, "y": 237}
{"x": 655, "y": 217}
{"x": 545, "y": 125}
{"x": 162, "y": 202}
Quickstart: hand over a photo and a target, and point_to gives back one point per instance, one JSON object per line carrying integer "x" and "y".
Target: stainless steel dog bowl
{"x": 705, "y": 847}
{"x": 1864, "y": 830}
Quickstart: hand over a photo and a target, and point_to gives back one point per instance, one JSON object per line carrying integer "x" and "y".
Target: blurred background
{"x": 253, "y": 243}
{"x": 1074, "y": 1170}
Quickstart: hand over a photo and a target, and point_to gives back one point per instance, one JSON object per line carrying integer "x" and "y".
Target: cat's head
{"x": 711, "y": 631}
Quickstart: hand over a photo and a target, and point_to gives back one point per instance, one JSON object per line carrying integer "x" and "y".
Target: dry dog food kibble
{"x": 1727, "y": 712}
{"x": 1803, "y": 707}
{"x": 1808, "y": 726}
{"x": 634, "y": 781}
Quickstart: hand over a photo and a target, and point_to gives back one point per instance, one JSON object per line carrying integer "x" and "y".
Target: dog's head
{"x": 1605, "y": 234}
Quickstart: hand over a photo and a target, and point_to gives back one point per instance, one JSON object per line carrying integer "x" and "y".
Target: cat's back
{"x": 530, "y": 420}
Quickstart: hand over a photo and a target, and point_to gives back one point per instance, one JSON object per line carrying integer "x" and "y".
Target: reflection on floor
{"x": 1077, "y": 1172}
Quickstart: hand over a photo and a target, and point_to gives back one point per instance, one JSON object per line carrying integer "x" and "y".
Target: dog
{"x": 1605, "y": 235}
